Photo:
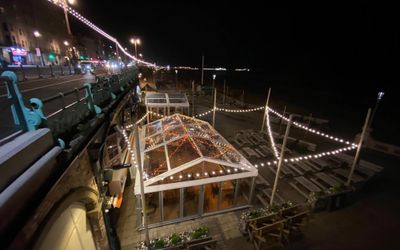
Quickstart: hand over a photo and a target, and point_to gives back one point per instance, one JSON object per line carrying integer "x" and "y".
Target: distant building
{"x": 51, "y": 45}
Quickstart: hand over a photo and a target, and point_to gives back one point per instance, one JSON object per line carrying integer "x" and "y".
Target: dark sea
{"x": 343, "y": 102}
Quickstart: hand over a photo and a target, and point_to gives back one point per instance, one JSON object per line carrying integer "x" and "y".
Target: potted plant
{"x": 175, "y": 239}
{"x": 159, "y": 243}
{"x": 200, "y": 232}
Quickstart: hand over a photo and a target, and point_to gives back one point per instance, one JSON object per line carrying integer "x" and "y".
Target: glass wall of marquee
{"x": 166, "y": 103}
{"x": 190, "y": 170}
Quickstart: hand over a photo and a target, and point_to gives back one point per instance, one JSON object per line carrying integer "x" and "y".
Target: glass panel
{"x": 243, "y": 192}
{"x": 208, "y": 149}
{"x": 155, "y": 162}
{"x": 153, "y": 141}
{"x": 171, "y": 204}
{"x": 181, "y": 151}
{"x": 191, "y": 200}
{"x": 153, "y": 128}
{"x": 174, "y": 133}
{"x": 200, "y": 171}
{"x": 211, "y": 193}
{"x": 153, "y": 208}
{"x": 227, "y": 193}
{"x": 170, "y": 122}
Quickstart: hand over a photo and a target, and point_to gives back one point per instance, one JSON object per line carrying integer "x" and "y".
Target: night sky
{"x": 358, "y": 43}
{"x": 337, "y": 47}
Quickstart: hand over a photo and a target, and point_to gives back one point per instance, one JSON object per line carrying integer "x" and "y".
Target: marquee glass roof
{"x": 178, "y": 148}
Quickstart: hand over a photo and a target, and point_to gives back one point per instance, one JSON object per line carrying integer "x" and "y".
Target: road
{"x": 39, "y": 88}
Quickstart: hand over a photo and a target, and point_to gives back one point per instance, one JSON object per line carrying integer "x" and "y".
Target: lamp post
{"x": 135, "y": 42}
{"x": 378, "y": 100}
{"x": 37, "y": 34}
{"x": 176, "y": 79}
{"x": 66, "y": 15}
{"x": 213, "y": 86}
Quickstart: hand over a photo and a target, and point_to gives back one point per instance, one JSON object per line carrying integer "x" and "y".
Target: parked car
{"x": 87, "y": 67}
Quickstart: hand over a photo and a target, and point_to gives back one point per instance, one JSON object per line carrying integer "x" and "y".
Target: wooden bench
{"x": 305, "y": 167}
{"x": 344, "y": 173}
{"x": 250, "y": 152}
{"x": 296, "y": 170}
{"x": 268, "y": 192}
{"x": 204, "y": 244}
{"x": 268, "y": 234}
{"x": 307, "y": 184}
{"x": 327, "y": 179}
{"x": 260, "y": 152}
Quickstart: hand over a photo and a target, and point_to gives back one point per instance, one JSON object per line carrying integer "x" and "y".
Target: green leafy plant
{"x": 159, "y": 243}
{"x": 199, "y": 232}
{"x": 175, "y": 239}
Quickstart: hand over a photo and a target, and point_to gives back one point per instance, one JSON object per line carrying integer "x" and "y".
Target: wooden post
{"x": 223, "y": 97}
{"x": 353, "y": 166}
{"x": 266, "y": 110}
{"x": 280, "y": 160}
{"x": 280, "y": 121}
{"x": 143, "y": 200}
{"x": 215, "y": 107}
{"x": 193, "y": 90}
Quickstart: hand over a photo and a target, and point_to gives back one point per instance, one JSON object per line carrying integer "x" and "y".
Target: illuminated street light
{"x": 71, "y": 1}
{"x": 140, "y": 54}
{"x": 66, "y": 43}
{"x": 378, "y": 100}
{"x": 135, "y": 42}
{"x": 37, "y": 33}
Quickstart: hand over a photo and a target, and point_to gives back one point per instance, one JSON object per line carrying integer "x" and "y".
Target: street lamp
{"x": 135, "y": 42}
{"x": 379, "y": 98}
{"x": 176, "y": 79}
{"x": 140, "y": 54}
{"x": 66, "y": 43}
{"x": 213, "y": 85}
{"x": 37, "y": 34}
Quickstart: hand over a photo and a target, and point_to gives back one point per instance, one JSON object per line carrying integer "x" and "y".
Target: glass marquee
{"x": 180, "y": 151}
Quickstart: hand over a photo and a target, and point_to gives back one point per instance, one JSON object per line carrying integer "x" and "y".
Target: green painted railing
{"x": 66, "y": 113}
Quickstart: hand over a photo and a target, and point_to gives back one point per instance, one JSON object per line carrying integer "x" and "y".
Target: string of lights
{"x": 307, "y": 157}
{"x": 333, "y": 138}
{"x": 239, "y": 110}
{"x": 138, "y": 121}
{"x": 204, "y": 113}
{"x": 271, "y": 137}
{"x": 64, "y": 5}
{"x": 129, "y": 146}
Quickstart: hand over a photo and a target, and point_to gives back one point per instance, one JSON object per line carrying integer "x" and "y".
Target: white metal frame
{"x": 247, "y": 169}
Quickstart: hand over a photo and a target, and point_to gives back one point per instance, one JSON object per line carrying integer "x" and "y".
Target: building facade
{"x": 35, "y": 32}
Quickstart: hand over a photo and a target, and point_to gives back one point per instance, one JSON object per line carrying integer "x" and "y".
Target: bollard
{"x": 51, "y": 71}
{"x": 61, "y": 70}
{"x": 23, "y": 73}
{"x": 23, "y": 116}
{"x": 90, "y": 99}
{"x": 38, "y": 71}
{"x": 69, "y": 67}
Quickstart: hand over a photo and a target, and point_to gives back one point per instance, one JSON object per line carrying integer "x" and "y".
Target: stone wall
{"x": 69, "y": 188}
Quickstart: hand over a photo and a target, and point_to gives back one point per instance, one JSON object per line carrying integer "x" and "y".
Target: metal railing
{"x": 66, "y": 113}
{"x": 27, "y": 72}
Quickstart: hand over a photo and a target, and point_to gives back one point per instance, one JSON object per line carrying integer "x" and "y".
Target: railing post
{"x": 90, "y": 99}
{"x": 23, "y": 116}
{"x": 51, "y": 71}
{"x": 23, "y": 73}
{"x": 113, "y": 96}
{"x": 121, "y": 81}
{"x": 38, "y": 71}
{"x": 37, "y": 107}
